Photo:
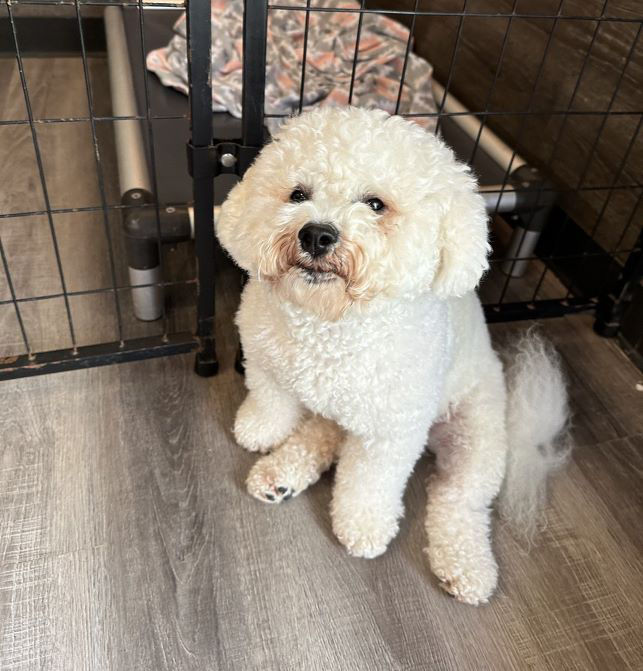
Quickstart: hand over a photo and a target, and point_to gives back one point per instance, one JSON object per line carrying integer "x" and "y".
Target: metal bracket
{"x": 142, "y": 232}
{"x": 224, "y": 158}
{"x": 144, "y": 227}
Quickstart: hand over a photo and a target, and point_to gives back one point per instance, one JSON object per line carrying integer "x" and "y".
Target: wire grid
{"x": 462, "y": 12}
{"x": 161, "y": 332}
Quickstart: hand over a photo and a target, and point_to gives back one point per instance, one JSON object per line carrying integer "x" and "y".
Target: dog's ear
{"x": 230, "y": 225}
{"x": 463, "y": 242}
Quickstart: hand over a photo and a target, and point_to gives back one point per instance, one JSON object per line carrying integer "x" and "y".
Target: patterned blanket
{"x": 329, "y": 61}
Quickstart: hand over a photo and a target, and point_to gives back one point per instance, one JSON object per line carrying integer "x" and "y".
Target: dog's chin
{"x": 312, "y": 275}
{"x": 321, "y": 292}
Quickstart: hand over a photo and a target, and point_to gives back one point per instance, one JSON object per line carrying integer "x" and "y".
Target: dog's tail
{"x": 537, "y": 428}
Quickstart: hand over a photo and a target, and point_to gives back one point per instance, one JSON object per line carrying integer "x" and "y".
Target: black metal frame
{"x": 199, "y": 50}
{"x": 538, "y": 197}
{"x": 148, "y": 224}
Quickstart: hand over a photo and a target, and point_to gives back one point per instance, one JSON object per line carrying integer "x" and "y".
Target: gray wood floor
{"x": 127, "y": 541}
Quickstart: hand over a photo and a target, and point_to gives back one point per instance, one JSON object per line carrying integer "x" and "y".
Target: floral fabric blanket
{"x": 330, "y": 57}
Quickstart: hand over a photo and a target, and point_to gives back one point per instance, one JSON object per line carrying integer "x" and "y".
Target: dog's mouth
{"x": 314, "y": 275}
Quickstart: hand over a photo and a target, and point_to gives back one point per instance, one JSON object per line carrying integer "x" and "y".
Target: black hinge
{"x": 224, "y": 158}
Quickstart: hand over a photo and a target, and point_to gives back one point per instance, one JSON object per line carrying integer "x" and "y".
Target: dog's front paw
{"x": 257, "y": 430}
{"x": 270, "y": 483}
{"x": 364, "y": 534}
{"x": 470, "y": 577}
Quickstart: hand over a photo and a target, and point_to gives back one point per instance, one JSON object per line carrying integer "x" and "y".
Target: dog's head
{"x": 347, "y": 204}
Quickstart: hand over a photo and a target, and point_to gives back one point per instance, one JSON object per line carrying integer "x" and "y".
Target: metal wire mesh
{"x": 36, "y": 335}
{"x": 538, "y": 87}
{"x": 534, "y": 279}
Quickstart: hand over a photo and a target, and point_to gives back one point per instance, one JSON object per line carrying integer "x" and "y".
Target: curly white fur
{"x": 537, "y": 422}
{"x": 355, "y": 355}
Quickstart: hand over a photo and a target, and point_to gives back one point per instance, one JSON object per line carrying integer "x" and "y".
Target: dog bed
{"x": 335, "y": 72}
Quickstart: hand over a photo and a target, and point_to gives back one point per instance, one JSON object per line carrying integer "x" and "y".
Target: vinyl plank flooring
{"x": 127, "y": 540}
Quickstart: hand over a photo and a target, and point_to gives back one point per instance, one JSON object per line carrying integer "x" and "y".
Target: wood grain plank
{"x": 139, "y": 548}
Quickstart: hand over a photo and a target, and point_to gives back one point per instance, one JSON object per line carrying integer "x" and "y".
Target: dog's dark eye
{"x": 375, "y": 204}
{"x": 298, "y": 196}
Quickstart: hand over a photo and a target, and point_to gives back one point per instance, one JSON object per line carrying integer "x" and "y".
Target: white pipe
{"x": 497, "y": 199}
{"x": 147, "y": 301}
{"x": 490, "y": 143}
{"x": 521, "y": 249}
{"x": 133, "y": 172}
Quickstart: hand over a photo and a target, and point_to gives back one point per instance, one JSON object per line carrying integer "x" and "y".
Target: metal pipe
{"x": 521, "y": 249}
{"x": 133, "y": 172}
{"x": 255, "y": 27}
{"x": 497, "y": 199}
{"x": 489, "y": 142}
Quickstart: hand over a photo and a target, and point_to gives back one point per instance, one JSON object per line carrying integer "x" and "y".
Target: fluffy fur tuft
{"x": 537, "y": 430}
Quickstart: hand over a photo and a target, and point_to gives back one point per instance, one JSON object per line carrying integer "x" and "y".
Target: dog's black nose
{"x": 317, "y": 239}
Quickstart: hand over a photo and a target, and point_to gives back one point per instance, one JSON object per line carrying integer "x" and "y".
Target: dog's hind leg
{"x": 471, "y": 451}
{"x": 268, "y": 415}
{"x": 298, "y": 463}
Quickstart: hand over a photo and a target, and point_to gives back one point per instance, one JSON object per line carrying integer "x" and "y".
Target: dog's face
{"x": 347, "y": 204}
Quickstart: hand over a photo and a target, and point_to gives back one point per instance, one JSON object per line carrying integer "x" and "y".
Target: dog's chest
{"x": 326, "y": 364}
{"x": 356, "y": 369}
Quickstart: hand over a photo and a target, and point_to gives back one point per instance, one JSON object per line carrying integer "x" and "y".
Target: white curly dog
{"x": 365, "y": 240}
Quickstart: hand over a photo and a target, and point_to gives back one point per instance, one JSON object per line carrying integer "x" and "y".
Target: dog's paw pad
{"x": 274, "y": 494}
{"x": 264, "y": 487}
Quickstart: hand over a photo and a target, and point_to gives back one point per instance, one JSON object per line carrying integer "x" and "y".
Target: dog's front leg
{"x": 369, "y": 485}
{"x": 298, "y": 463}
{"x": 269, "y": 413}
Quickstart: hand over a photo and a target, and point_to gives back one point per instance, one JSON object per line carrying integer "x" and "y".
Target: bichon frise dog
{"x": 364, "y": 240}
